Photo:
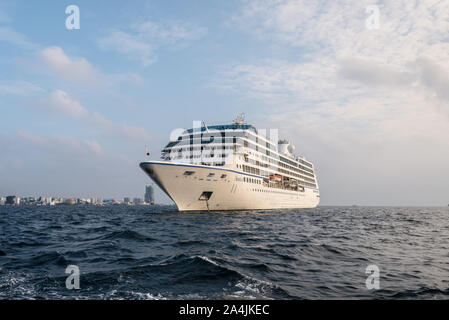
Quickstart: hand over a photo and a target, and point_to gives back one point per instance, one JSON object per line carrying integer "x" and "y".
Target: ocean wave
{"x": 127, "y": 235}
{"x": 183, "y": 243}
{"x": 423, "y": 292}
{"x": 26, "y": 243}
{"x": 178, "y": 277}
{"x": 133, "y": 253}
{"x": 50, "y": 257}
{"x": 13, "y": 286}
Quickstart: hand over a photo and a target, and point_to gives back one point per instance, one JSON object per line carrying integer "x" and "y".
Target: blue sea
{"x": 155, "y": 252}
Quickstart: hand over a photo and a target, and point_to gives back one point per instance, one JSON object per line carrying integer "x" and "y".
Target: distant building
{"x": 137, "y": 201}
{"x": 69, "y": 201}
{"x": 109, "y": 202}
{"x": 10, "y": 200}
{"x": 2, "y": 201}
{"x": 149, "y": 194}
{"x": 126, "y": 200}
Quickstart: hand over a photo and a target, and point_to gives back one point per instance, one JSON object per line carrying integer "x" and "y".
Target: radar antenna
{"x": 240, "y": 119}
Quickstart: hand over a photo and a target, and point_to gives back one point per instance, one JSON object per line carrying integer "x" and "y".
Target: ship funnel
{"x": 283, "y": 147}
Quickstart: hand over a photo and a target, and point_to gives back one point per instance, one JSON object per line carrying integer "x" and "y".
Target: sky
{"x": 361, "y": 88}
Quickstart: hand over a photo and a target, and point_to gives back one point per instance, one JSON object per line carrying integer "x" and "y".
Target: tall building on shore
{"x": 149, "y": 194}
{"x": 11, "y": 200}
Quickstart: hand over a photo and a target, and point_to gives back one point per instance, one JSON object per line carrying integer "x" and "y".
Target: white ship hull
{"x": 228, "y": 189}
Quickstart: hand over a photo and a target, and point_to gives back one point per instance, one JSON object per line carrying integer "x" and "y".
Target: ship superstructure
{"x": 233, "y": 167}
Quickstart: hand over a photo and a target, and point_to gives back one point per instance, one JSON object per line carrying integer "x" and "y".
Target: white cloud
{"x": 82, "y": 72}
{"x": 407, "y": 29}
{"x": 21, "y": 88}
{"x": 94, "y": 146}
{"x": 143, "y": 40}
{"x": 371, "y": 73}
{"x": 343, "y": 59}
{"x": 434, "y": 76}
{"x": 35, "y": 140}
{"x": 278, "y": 81}
{"x": 108, "y": 128}
{"x": 11, "y": 36}
{"x": 60, "y": 102}
{"x": 63, "y": 144}
{"x": 135, "y": 133}
{"x": 129, "y": 45}
{"x": 172, "y": 33}
{"x": 78, "y": 69}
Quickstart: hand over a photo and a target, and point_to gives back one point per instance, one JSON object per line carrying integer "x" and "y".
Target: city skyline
{"x": 148, "y": 198}
{"x": 360, "y": 88}
{"x": 17, "y": 200}
{"x": 51, "y": 201}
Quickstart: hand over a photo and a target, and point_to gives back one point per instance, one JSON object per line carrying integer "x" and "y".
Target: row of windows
{"x": 296, "y": 175}
{"x": 176, "y": 157}
{"x": 218, "y": 134}
{"x": 216, "y": 147}
{"x": 213, "y": 134}
{"x": 283, "y": 163}
{"x": 268, "y": 153}
{"x": 210, "y": 175}
{"x": 262, "y": 143}
{"x": 267, "y": 173}
{"x": 266, "y": 165}
{"x": 252, "y": 180}
{"x": 257, "y": 181}
{"x": 224, "y": 127}
{"x": 294, "y": 164}
{"x": 252, "y": 170}
{"x": 224, "y": 137}
{"x": 272, "y": 147}
{"x": 219, "y": 140}
{"x": 271, "y": 191}
{"x": 228, "y": 147}
{"x": 245, "y": 179}
{"x": 245, "y": 168}
{"x": 214, "y": 164}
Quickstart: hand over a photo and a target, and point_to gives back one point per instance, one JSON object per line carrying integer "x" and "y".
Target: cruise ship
{"x": 233, "y": 167}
